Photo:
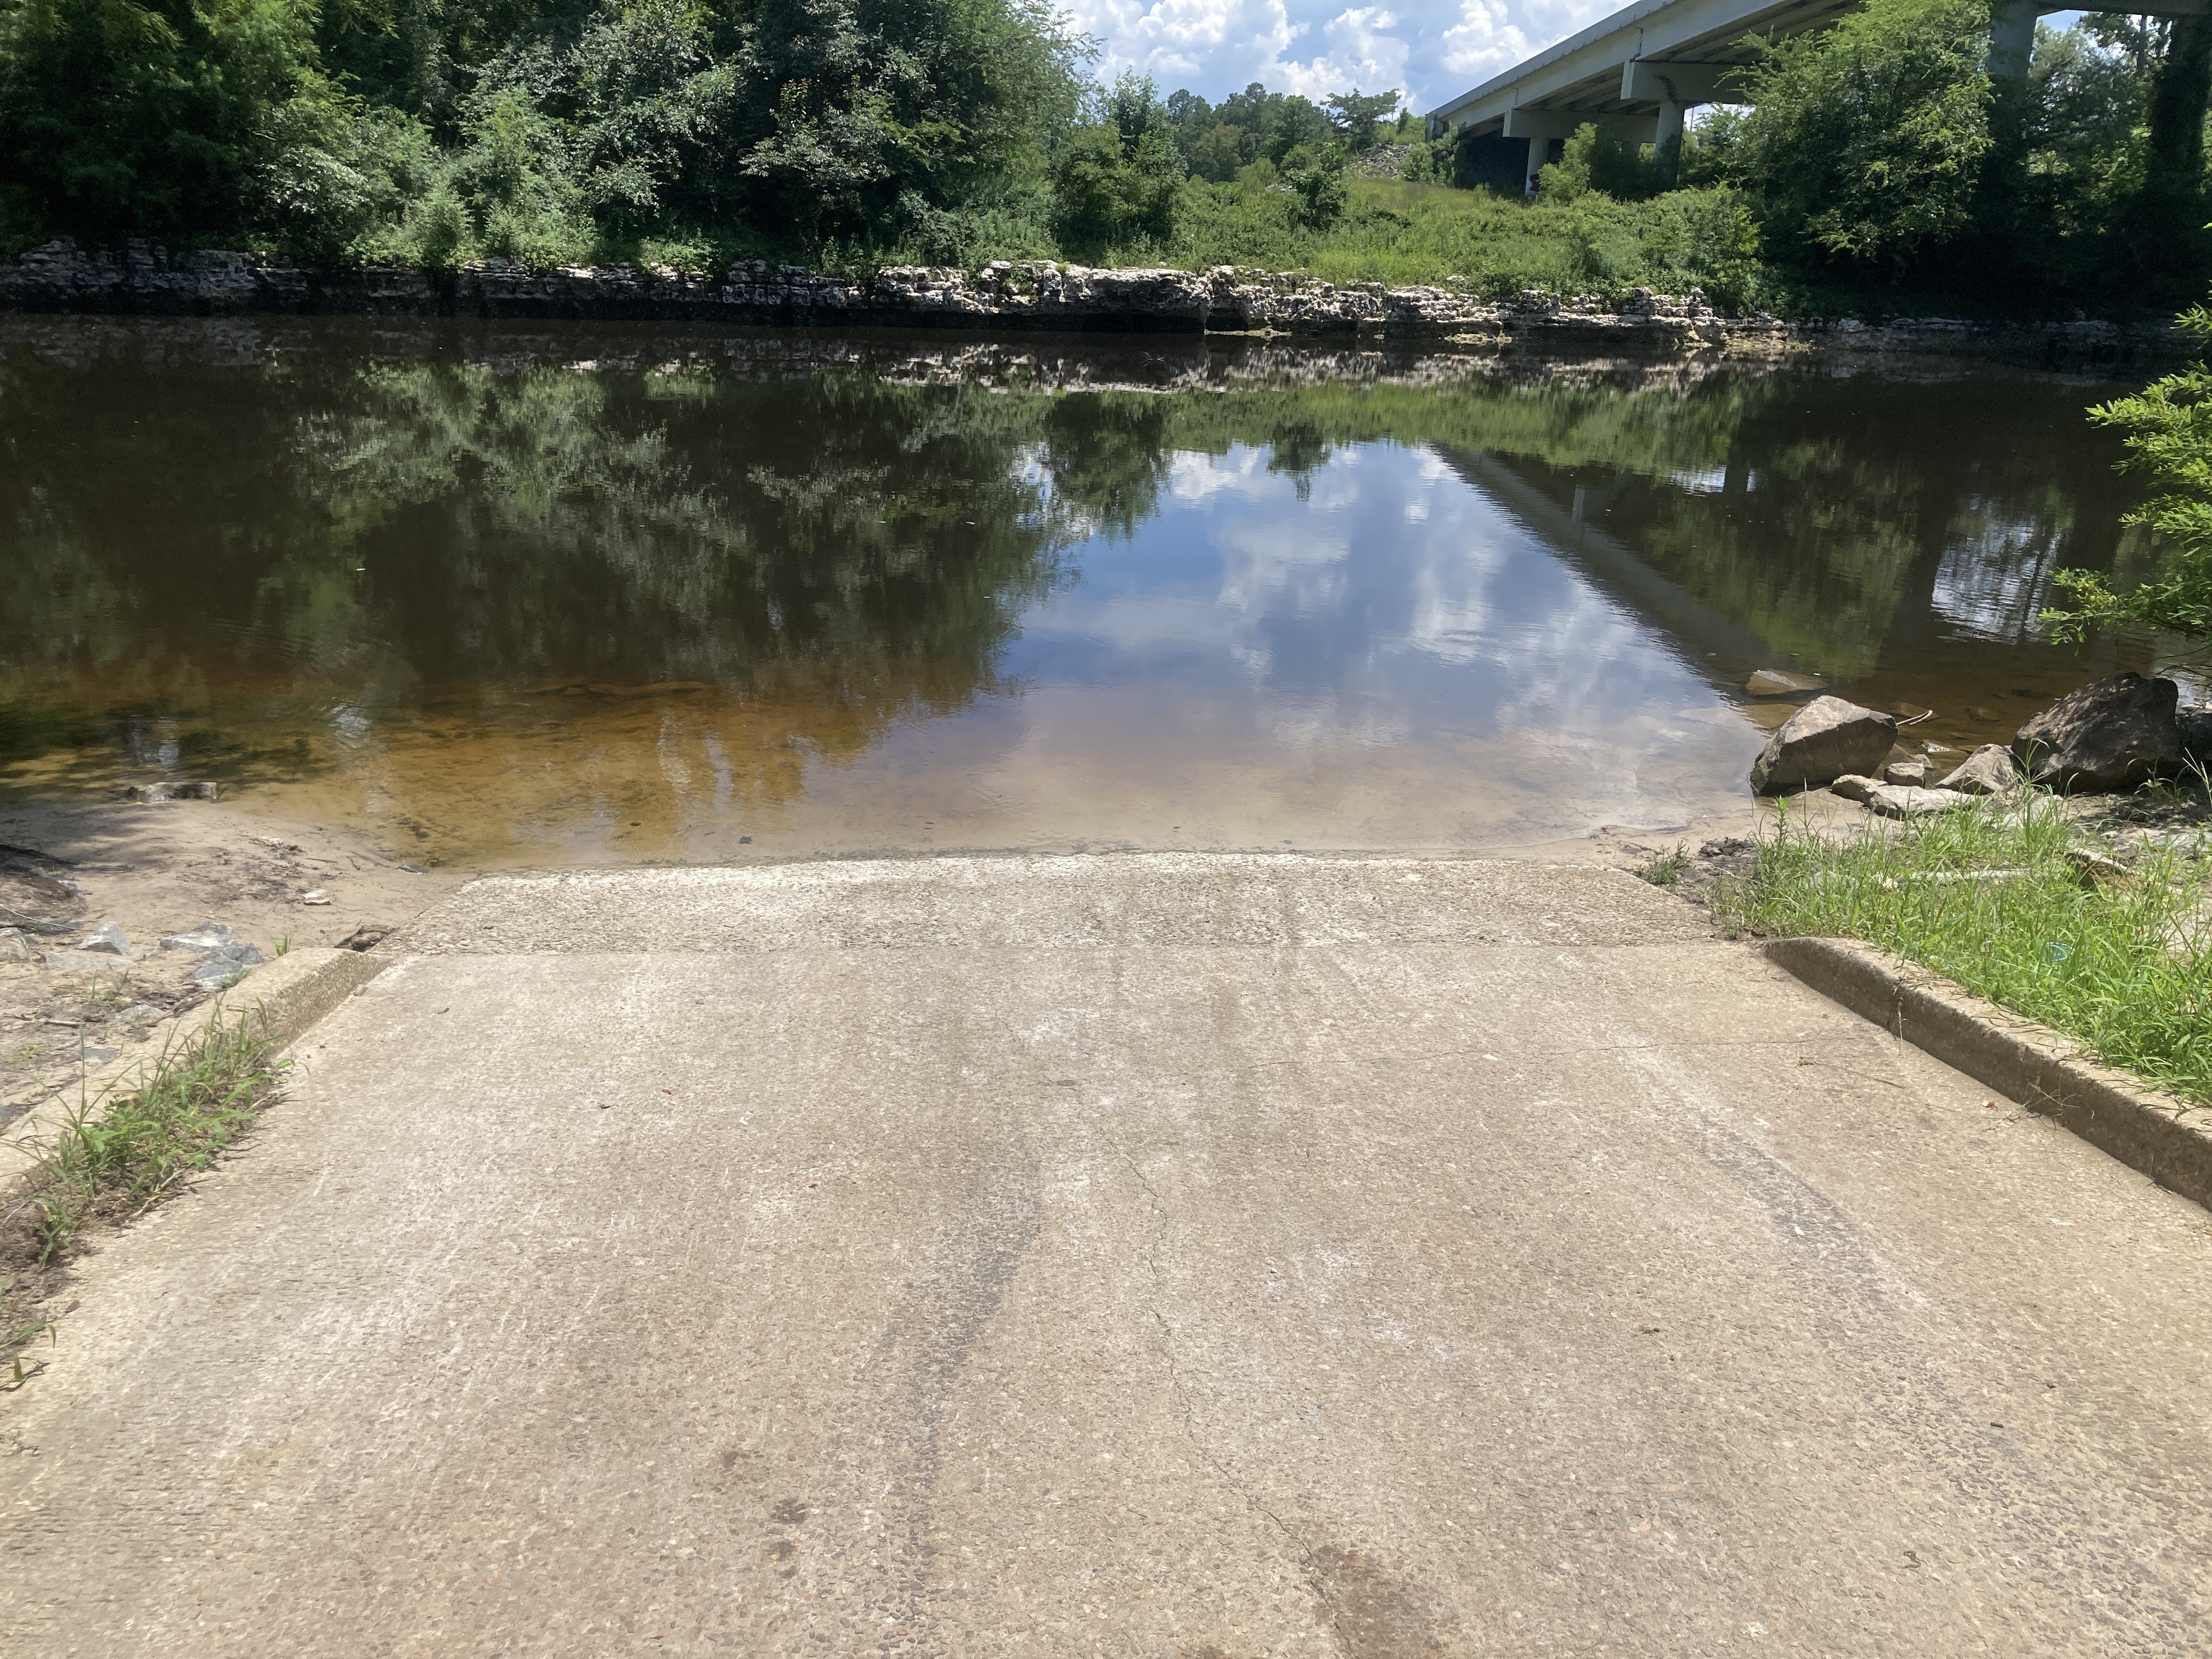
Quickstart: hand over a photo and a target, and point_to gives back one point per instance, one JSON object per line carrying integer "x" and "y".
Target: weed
{"x": 1665, "y": 870}
{"x": 115, "y": 1154}
{"x": 2004, "y": 899}
{"x": 284, "y": 945}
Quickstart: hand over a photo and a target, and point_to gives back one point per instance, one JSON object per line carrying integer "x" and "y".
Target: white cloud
{"x": 1432, "y": 49}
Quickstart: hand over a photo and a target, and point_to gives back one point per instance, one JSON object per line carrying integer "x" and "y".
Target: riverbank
{"x": 1037, "y": 296}
{"x": 72, "y": 869}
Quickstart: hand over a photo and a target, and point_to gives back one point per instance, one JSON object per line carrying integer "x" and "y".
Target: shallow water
{"x": 599, "y": 593}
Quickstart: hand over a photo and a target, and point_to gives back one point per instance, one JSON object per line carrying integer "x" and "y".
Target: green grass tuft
{"x": 116, "y": 1154}
{"x": 1989, "y": 897}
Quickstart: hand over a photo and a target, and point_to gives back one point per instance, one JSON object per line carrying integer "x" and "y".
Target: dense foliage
{"x": 2169, "y": 437}
{"x": 1874, "y": 164}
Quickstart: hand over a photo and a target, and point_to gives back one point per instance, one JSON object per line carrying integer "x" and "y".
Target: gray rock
{"x": 218, "y": 968}
{"x": 142, "y": 1014}
{"x": 1827, "y": 739}
{"x": 208, "y": 936}
{"x": 1910, "y": 773}
{"x": 2113, "y": 733}
{"x": 1891, "y": 800}
{"x": 82, "y": 961}
{"x": 2094, "y": 868}
{"x": 108, "y": 936}
{"x": 16, "y": 945}
{"x": 2195, "y": 725}
{"x": 1989, "y": 770}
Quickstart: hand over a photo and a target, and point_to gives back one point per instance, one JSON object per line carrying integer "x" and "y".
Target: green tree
{"x": 2169, "y": 438}
{"x": 1864, "y": 143}
{"x": 1119, "y": 178}
{"x": 1596, "y": 158}
{"x": 122, "y": 118}
{"x": 1355, "y": 113}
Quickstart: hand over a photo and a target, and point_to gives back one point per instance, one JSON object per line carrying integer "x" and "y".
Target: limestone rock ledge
{"x": 143, "y": 278}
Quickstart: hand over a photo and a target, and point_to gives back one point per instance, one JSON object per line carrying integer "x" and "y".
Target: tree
{"x": 1119, "y": 178}
{"x": 2169, "y": 437}
{"x": 1864, "y": 143}
{"x": 122, "y": 118}
{"x": 1354, "y": 114}
{"x": 2172, "y": 211}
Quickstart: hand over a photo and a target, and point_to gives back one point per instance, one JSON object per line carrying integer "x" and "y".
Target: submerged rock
{"x": 1781, "y": 682}
{"x": 1989, "y": 770}
{"x": 160, "y": 792}
{"x": 1827, "y": 739}
{"x": 2113, "y": 733}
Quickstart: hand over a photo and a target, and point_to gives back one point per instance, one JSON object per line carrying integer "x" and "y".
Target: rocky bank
{"x": 143, "y": 278}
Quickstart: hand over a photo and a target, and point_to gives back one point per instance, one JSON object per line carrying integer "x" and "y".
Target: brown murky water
{"x": 518, "y": 596}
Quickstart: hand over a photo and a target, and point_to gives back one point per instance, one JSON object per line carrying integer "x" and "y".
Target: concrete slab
{"x": 1062, "y": 1289}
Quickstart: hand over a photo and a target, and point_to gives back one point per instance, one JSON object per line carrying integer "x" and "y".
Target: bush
{"x": 1596, "y": 159}
{"x": 1317, "y": 179}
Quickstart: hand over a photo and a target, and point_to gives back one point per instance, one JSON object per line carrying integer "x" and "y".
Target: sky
{"x": 1431, "y": 50}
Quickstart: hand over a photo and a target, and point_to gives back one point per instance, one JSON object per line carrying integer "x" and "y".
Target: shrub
{"x": 2169, "y": 436}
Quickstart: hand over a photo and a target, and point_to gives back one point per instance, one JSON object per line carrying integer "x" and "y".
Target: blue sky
{"x": 1433, "y": 49}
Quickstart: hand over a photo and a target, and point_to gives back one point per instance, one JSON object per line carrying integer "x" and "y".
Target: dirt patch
{"x": 69, "y": 868}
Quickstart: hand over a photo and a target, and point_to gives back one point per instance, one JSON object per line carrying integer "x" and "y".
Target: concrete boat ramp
{"x": 1168, "y": 1255}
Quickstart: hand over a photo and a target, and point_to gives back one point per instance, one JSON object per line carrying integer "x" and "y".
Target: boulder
{"x": 1827, "y": 739}
{"x": 2113, "y": 733}
{"x": 1987, "y": 771}
{"x": 1908, "y": 774}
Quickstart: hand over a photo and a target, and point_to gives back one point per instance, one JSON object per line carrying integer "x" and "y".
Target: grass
{"x": 116, "y": 1154}
{"x": 1666, "y": 869}
{"x": 1403, "y": 234}
{"x": 1997, "y": 898}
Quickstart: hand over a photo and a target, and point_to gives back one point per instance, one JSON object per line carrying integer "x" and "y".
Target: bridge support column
{"x": 1668, "y": 148}
{"x": 2012, "y": 40}
{"x": 1539, "y": 154}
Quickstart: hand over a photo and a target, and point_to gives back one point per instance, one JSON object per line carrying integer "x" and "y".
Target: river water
{"x": 514, "y": 595}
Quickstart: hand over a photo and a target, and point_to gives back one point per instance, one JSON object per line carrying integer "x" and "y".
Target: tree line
{"x": 842, "y": 133}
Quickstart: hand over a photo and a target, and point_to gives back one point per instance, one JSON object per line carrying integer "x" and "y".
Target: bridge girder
{"x": 1639, "y": 69}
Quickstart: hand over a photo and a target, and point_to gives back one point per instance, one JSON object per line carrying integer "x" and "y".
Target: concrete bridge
{"x": 1640, "y": 71}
